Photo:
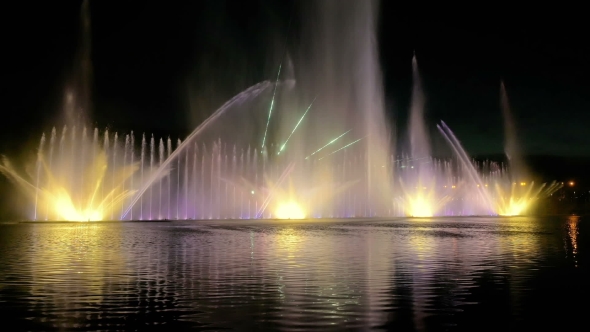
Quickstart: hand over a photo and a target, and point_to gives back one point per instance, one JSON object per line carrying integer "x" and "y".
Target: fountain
{"x": 514, "y": 194}
{"x": 315, "y": 145}
{"x": 421, "y": 196}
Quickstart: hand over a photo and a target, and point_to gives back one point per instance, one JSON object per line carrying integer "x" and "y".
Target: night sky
{"x": 153, "y": 62}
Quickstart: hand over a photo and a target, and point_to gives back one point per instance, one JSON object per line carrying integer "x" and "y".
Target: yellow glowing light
{"x": 65, "y": 208}
{"x": 514, "y": 208}
{"x": 420, "y": 207}
{"x": 423, "y": 200}
{"x": 453, "y": 187}
{"x": 517, "y": 201}
{"x": 58, "y": 201}
{"x": 289, "y": 210}
{"x": 571, "y": 183}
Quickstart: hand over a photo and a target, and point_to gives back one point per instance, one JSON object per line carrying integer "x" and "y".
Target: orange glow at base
{"x": 289, "y": 210}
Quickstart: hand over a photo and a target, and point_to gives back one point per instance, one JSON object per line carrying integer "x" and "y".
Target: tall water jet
{"x": 421, "y": 197}
{"x": 511, "y": 146}
{"x": 371, "y": 101}
{"x": 419, "y": 140}
{"x": 78, "y": 92}
{"x": 339, "y": 65}
{"x": 344, "y": 74}
{"x": 62, "y": 182}
{"x": 517, "y": 194}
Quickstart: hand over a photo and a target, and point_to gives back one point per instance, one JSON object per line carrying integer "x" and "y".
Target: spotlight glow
{"x": 423, "y": 201}
{"x": 65, "y": 208}
{"x": 515, "y": 207}
{"x": 57, "y": 197}
{"x": 517, "y": 202}
{"x": 420, "y": 207}
{"x": 289, "y": 210}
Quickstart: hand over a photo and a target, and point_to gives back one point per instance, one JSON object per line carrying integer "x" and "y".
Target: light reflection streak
{"x": 572, "y": 236}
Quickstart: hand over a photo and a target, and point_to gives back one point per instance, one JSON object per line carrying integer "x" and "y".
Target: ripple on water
{"x": 447, "y": 273}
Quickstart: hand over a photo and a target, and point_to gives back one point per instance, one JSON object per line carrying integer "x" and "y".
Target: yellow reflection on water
{"x": 288, "y": 242}
{"x": 517, "y": 236}
{"x": 74, "y": 260}
{"x": 421, "y": 244}
{"x": 572, "y": 235}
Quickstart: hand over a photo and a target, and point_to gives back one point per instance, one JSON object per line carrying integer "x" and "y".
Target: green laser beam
{"x": 277, "y": 81}
{"x": 297, "y": 125}
{"x": 344, "y": 147}
{"x": 332, "y": 141}
{"x": 272, "y": 102}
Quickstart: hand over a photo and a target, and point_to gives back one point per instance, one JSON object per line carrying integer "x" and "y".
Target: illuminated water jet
{"x": 60, "y": 198}
{"x": 518, "y": 200}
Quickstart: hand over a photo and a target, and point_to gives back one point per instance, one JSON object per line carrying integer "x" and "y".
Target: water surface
{"x": 405, "y": 274}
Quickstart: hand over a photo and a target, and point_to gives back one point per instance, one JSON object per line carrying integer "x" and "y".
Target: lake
{"x": 455, "y": 274}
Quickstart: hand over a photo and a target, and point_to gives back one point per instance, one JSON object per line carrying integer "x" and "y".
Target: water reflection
{"x": 65, "y": 256}
{"x": 571, "y": 242}
{"x": 70, "y": 270}
{"x": 451, "y": 274}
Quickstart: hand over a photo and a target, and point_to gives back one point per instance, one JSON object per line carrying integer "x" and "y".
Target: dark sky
{"x": 152, "y": 60}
